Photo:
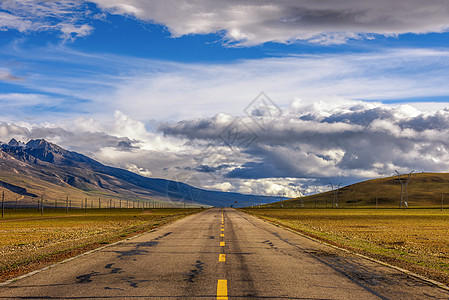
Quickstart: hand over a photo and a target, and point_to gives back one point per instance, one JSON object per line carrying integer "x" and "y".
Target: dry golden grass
{"x": 417, "y": 239}
{"x": 29, "y": 237}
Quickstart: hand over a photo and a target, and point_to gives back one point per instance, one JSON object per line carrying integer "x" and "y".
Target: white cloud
{"x": 308, "y": 146}
{"x": 8, "y": 21}
{"x": 197, "y": 90}
{"x": 138, "y": 170}
{"x": 67, "y": 17}
{"x": 222, "y": 186}
{"x": 348, "y": 140}
{"x": 251, "y": 22}
{"x": 70, "y": 31}
{"x": 243, "y": 23}
{"x": 159, "y": 90}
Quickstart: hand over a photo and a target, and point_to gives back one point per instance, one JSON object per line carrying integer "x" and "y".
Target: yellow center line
{"x": 222, "y": 289}
{"x": 222, "y": 229}
{"x": 222, "y": 244}
{"x": 222, "y": 235}
{"x": 222, "y": 257}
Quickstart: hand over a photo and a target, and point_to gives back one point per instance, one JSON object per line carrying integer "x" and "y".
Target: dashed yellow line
{"x": 222, "y": 285}
{"x": 222, "y": 289}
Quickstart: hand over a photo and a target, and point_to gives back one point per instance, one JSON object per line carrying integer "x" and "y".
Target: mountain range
{"x": 40, "y": 167}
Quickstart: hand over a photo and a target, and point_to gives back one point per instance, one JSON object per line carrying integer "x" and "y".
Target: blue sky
{"x": 171, "y": 76}
{"x": 120, "y": 43}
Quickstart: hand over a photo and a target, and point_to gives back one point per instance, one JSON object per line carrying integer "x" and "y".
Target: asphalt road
{"x": 220, "y": 255}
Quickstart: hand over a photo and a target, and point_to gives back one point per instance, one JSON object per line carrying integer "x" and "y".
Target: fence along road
{"x": 220, "y": 254}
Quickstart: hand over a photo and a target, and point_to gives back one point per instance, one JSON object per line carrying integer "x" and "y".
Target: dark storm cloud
{"x": 251, "y": 22}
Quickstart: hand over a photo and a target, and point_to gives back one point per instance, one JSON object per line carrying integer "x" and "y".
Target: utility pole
{"x": 404, "y": 184}
{"x": 442, "y": 201}
{"x": 99, "y": 203}
{"x": 66, "y": 204}
{"x": 301, "y": 197}
{"x": 42, "y": 204}
{"x": 17, "y": 198}
{"x": 281, "y": 194}
{"x": 85, "y": 205}
{"x": 335, "y": 189}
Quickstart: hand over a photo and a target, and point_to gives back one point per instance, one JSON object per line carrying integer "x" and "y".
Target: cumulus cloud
{"x": 349, "y": 141}
{"x": 304, "y": 149}
{"x": 251, "y": 22}
{"x": 68, "y": 136}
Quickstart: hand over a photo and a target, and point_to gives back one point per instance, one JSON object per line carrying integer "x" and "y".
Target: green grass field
{"x": 30, "y": 240}
{"x": 415, "y": 239}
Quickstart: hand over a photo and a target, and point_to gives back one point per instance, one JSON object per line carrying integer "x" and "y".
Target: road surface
{"x": 220, "y": 254}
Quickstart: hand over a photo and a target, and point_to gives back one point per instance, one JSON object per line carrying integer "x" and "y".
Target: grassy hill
{"x": 424, "y": 190}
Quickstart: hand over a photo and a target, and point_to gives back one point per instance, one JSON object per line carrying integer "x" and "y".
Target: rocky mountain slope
{"x": 39, "y": 166}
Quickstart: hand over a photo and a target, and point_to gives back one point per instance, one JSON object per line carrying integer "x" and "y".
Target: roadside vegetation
{"x": 414, "y": 239}
{"x": 30, "y": 241}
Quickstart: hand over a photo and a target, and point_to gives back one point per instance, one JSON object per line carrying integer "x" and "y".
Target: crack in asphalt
{"x": 199, "y": 266}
